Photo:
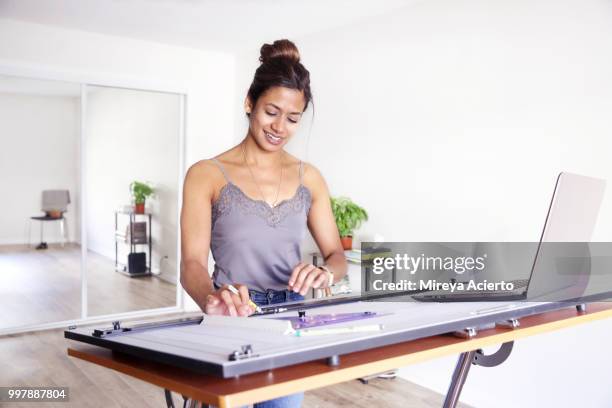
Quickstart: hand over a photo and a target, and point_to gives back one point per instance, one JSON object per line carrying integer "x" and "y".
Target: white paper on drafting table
{"x": 215, "y": 342}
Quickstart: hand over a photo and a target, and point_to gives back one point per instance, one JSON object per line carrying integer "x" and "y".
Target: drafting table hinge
{"x": 494, "y": 359}
{"x": 246, "y": 352}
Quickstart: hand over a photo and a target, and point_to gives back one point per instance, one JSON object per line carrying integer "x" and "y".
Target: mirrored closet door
{"x": 89, "y": 209}
{"x": 40, "y": 259}
{"x": 132, "y": 153}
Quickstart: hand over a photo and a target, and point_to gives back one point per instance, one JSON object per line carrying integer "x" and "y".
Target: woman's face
{"x": 275, "y": 117}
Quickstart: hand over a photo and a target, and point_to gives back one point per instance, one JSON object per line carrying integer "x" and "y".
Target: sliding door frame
{"x": 85, "y": 79}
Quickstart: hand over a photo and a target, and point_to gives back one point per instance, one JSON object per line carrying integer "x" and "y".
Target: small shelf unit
{"x": 134, "y": 245}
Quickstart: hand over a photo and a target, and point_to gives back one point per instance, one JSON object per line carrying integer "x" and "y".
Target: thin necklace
{"x": 255, "y": 181}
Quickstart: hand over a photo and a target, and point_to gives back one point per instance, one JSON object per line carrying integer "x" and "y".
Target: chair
{"x": 54, "y": 204}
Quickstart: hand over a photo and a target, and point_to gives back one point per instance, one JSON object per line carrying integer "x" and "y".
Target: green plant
{"x": 140, "y": 191}
{"x": 348, "y": 215}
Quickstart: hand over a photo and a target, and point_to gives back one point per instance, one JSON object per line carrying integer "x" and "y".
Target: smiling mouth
{"x": 274, "y": 139}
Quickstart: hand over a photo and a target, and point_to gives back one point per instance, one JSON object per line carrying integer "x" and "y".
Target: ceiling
{"x": 224, "y": 25}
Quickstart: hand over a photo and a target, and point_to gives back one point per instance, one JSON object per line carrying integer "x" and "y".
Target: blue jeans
{"x": 270, "y": 297}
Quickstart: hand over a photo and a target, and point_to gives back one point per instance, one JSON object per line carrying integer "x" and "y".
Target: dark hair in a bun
{"x": 280, "y": 49}
{"x": 280, "y": 66}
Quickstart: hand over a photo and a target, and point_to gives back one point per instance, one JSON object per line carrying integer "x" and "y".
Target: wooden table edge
{"x": 334, "y": 375}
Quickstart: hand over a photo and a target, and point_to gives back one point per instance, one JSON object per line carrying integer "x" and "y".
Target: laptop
{"x": 569, "y": 224}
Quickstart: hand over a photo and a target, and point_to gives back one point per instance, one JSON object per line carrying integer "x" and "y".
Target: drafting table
{"x": 326, "y": 361}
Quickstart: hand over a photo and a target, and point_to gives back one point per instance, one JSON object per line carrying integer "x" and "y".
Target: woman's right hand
{"x": 224, "y": 302}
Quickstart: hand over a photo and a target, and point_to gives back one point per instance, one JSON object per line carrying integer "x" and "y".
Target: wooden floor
{"x": 45, "y": 286}
{"x": 39, "y": 359}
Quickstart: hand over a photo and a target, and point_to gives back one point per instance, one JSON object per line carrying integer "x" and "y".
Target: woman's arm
{"x": 195, "y": 234}
{"x": 196, "y": 221}
{"x": 322, "y": 226}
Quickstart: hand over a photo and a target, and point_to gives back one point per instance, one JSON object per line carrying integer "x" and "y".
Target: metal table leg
{"x": 168, "y": 395}
{"x": 62, "y": 232}
{"x": 459, "y": 375}
{"x": 191, "y": 403}
{"x": 66, "y": 230}
{"x": 476, "y": 357}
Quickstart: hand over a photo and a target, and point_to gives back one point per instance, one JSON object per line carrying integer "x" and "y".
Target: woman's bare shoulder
{"x": 313, "y": 179}
{"x": 205, "y": 168}
{"x": 204, "y": 174}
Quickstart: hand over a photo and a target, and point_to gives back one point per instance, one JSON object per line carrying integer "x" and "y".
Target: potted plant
{"x": 349, "y": 217}
{"x": 140, "y": 191}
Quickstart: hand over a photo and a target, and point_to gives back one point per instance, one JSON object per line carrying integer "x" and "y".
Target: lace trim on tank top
{"x": 232, "y": 196}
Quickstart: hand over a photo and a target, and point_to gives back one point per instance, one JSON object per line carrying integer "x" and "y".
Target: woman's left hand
{"x": 306, "y": 276}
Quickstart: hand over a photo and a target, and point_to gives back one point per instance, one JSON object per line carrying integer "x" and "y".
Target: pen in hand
{"x": 251, "y": 303}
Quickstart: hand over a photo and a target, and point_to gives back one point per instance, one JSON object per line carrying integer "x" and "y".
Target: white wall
{"x": 133, "y": 135}
{"x": 449, "y": 120}
{"x": 39, "y": 152}
{"x": 207, "y": 77}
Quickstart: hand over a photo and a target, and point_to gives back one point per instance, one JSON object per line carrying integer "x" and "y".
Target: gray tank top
{"x": 253, "y": 243}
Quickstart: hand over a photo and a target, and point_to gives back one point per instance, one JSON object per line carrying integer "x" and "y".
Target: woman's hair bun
{"x": 279, "y": 49}
{"x": 280, "y": 66}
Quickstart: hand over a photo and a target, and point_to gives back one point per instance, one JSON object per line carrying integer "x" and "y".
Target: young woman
{"x": 250, "y": 206}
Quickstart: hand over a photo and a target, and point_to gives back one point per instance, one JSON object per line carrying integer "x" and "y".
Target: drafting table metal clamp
{"x": 333, "y": 361}
{"x": 509, "y": 323}
{"x": 246, "y": 352}
{"x": 466, "y": 333}
{"x": 472, "y": 331}
{"x": 108, "y": 331}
